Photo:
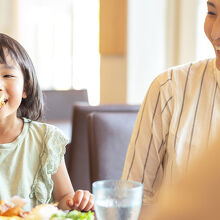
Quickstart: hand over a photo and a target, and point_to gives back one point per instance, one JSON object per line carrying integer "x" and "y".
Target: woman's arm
{"x": 144, "y": 160}
{"x": 64, "y": 194}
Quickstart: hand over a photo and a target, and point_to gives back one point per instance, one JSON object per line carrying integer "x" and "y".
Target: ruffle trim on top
{"x": 53, "y": 150}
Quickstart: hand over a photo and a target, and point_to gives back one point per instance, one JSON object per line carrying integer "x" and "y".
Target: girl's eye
{"x": 8, "y": 76}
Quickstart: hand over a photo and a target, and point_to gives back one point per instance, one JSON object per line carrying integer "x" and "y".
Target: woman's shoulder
{"x": 176, "y": 73}
{"x": 176, "y": 76}
{"x": 193, "y": 64}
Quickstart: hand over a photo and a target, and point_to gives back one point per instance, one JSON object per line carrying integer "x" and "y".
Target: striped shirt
{"x": 179, "y": 114}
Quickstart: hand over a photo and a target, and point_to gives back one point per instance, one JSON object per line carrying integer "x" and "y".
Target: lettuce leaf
{"x": 74, "y": 215}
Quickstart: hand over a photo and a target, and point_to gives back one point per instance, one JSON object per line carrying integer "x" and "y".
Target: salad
{"x": 73, "y": 215}
{"x": 13, "y": 211}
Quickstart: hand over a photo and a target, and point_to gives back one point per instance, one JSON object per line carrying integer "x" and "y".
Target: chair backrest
{"x": 58, "y": 107}
{"x": 109, "y": 136}
{"x": 79, "y": 169}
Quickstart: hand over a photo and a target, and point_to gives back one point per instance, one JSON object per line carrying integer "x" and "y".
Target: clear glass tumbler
{"x": 117, "y": 199}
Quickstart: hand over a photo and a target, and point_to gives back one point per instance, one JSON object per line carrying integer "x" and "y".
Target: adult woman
{"x": 179, "y": 114}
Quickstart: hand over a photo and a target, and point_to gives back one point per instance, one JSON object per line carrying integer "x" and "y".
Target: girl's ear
{"x": 24, "y": 95}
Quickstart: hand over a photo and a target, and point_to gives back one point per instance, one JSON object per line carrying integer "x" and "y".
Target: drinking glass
{"x": 117, "y": 199}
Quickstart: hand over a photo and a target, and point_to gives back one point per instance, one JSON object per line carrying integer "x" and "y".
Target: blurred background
{"x": 112, "y": 48}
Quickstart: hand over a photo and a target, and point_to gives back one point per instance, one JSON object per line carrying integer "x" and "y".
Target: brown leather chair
{"x": 79, "y": 168}
{"x": 58, "y": 110}
{"x": 109, "y": 136}
{"x": 58, "y": 105}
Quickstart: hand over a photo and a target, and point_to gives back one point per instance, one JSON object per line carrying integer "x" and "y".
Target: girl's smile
{"x": 11, "y": 87}
{"x": 3, "y": 101}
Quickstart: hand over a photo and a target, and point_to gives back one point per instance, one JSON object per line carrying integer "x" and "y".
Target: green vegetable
{"x": 74, "y": 215}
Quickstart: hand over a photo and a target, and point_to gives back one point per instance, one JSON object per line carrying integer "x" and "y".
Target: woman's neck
{"x": 10, "y": 129}
{"x": 217, "y": 64}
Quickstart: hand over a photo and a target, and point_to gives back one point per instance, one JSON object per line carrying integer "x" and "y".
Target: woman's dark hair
{"x": 32, "y": 106}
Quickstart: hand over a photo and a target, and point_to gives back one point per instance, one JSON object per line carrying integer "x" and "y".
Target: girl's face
{"x": 212, "y": 27}
{"x": 12, "y": 87}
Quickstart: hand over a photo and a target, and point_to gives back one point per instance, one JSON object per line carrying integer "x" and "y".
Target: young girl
{"x": 31, "y": 153}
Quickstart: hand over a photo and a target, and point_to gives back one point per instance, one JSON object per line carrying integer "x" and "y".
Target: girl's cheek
{"x": 16, "y": 89}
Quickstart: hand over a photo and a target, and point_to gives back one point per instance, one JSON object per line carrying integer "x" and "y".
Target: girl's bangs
{"x": 2, "y": 55}
{"x": 9, "y": 47}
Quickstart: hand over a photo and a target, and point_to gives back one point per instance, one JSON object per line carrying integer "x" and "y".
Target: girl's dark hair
{"x": 32, "y": 106}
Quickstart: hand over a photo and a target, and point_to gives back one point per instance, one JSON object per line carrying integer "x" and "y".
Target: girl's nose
{"x": 215, "y": 34}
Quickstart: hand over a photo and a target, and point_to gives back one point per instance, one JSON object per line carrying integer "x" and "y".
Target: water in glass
{"x": 117, "y": 199}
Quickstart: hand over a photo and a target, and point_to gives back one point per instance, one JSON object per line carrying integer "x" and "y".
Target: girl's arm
{"x": 64, "y": 194}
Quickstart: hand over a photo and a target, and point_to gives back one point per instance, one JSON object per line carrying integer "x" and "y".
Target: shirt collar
{"x": 216, "y": 72}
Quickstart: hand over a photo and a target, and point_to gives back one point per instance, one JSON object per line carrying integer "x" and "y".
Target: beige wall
{"x": 172, "y": 32}
{"x": 113, "y": 79}
{"x": 152, "y": 46}
{"x": 181, "y": 31}
{"x": 113, "y": 22}
{"x": 9, "y": 17}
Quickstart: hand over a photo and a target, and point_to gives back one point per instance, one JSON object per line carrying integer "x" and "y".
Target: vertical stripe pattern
{"x": 173, "y": 113}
